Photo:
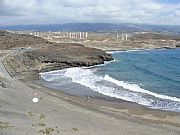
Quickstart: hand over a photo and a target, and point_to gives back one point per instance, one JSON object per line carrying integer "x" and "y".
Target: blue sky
{"x": 19, "y": 12}
{"x": 169, "y": 1}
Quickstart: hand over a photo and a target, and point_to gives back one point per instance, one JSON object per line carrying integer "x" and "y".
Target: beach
{"x": 61, "y": 113}
{"x": 65, "y": 114}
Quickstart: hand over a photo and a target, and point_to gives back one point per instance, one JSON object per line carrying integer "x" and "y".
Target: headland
{"x": 24, "y": 56}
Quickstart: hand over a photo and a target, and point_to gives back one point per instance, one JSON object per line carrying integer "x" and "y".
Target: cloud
{"x": 64, "y": 11}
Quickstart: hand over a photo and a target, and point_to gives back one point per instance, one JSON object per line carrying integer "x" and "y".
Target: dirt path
{"x": 55, "y": 116}
{"x": 2, "y": 68}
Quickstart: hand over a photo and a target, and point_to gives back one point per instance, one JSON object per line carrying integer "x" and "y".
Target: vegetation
{"x": 46, "y": 131}
{"x": 5, "y": 125}
{"x": 40, "y": 124}
{"x": 75, "y": 129}
{"x": 31, "y": 114}
{"x": 42, "y": 116}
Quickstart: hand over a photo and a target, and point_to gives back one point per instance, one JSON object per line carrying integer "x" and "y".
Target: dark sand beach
{"x": 62, "y": 113}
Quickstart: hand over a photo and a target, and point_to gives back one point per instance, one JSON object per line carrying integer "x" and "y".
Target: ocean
{"x": 147, "y": 77}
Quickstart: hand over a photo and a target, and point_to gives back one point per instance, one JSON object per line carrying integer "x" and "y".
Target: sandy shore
{"x": 59, "y": 113}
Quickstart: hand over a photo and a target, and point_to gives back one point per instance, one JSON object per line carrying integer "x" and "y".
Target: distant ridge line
{"x": 97, "y": 27}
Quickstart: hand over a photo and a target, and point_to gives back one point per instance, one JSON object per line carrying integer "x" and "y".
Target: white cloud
{"x": 14, "y": 12}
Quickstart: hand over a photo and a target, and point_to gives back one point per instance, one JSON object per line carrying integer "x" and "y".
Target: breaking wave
{"x": 112, "y": 87}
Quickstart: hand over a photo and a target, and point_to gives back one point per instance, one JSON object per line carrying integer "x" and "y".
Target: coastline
{"x": 139, "y": 49}
{"x": 126, "y": 107}
{"x": 61, "y": 113}
{"x": 116, "y": 107}
{"x": 93, "y": 109}
{"x": 80, "y": 88}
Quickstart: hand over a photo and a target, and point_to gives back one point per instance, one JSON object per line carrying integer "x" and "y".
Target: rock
{"x": 57, "y": 57}
{"x": 47, "y": 56}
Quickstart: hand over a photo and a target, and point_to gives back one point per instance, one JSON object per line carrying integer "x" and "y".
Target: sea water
{"x": 146, "y": 77}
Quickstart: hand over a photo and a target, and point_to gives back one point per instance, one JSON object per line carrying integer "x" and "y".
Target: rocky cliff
{"x": 47, "y": 56}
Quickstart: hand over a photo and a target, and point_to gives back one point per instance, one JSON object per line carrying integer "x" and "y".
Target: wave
{"x": 136, "y": 88}
{"x": 112, "y": 87}
{"x": 113, "y": 52}
{"x": 52, "y": 75}
{"x": 133, "y": 50}
{"x": 105, "y": 63}
{"x": 86, "y": 77}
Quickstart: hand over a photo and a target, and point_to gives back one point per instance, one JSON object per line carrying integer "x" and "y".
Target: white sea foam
{"x": 89, "y": 79}
{"x": 105, "y": 63}
{"x": 130, "y": 92}
{"x": 136, "y": 88}
{"x": 135, "y": 50}
{"x": 52, "y": 75}
{"x": 113, "y": 52}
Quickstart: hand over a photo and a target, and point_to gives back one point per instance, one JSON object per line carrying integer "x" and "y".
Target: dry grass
{"x": 46, "y": 131}
{"x": 42, "y": 116}
{"x": 31, "y": 114}
{"x": 40, "y": 124}
{"x": 5, "y": 125}
{"x": 75, "y": 129}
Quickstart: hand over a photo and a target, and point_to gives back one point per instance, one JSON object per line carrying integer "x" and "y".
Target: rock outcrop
{"x": 47, "y": 56}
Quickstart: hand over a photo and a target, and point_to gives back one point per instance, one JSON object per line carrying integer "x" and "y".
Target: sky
{"x": 24, "y": 12}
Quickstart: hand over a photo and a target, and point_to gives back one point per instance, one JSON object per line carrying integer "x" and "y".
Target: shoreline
{"x": 62, "y": 113}
{"x": 86, "y": 91}
{"x": 141, "y": 49}
{"x": 116, "y": 107}
{"x": 98, "y": 109}
{"x": 113, "y": 106}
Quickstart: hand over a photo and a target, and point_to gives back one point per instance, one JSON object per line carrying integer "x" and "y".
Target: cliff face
{"x": 55, "y": 58}
{"x": 47, "y": 56}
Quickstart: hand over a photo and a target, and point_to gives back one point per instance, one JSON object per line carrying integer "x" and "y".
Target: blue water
{"x": 155, "y": 70}
{"x": 147, "y": 77}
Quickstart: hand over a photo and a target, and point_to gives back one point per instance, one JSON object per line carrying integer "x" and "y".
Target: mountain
{"x": 98, "y": 27}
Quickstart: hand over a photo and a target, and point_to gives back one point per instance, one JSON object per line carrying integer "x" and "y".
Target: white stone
{"x": 35, "y": 100}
